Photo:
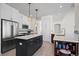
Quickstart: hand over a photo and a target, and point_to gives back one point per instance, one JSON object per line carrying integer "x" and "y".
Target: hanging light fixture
{"x": 29, "y": 16}
{"x": 36, "y": 13}
{"x": 36, "y": 20}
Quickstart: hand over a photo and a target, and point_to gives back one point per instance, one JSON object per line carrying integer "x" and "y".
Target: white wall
{"x": 67, "y": 22}
{"x": 6, "y": 11}
{"x": 20, "y": 18}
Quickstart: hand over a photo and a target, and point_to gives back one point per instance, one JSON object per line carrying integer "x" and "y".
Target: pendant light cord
{"x": 29, "y": 8}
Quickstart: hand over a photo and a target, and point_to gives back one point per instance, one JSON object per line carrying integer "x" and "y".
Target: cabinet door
{"x": 30, "y": 49}
{"x": 21, "y": 48}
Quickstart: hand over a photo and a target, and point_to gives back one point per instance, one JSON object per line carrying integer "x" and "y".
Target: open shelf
{"x": 68, "y": 46}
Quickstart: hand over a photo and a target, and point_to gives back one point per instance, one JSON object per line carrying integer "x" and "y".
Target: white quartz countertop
{"x": 26, "y": 37}
{"x": 68, "y": 38}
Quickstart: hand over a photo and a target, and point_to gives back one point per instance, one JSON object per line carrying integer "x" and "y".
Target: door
{"x": 46, "y": 27}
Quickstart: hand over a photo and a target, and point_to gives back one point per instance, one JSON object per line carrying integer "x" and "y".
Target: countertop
{"x": 26, "y": 37}
{"x": 68, "y": 38}
{"x": 58, "y": 34}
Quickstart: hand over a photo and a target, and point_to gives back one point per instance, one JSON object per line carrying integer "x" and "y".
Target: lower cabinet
{"x": 28, "y": 47}
{"x": 20, "y": 48}
{"x": 7, "y": 45}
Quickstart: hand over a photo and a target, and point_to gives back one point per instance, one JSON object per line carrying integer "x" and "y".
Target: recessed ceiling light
{"x": 61, "y": 6}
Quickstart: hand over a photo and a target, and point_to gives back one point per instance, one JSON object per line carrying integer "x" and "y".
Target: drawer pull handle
{"x": 20, "y": 43}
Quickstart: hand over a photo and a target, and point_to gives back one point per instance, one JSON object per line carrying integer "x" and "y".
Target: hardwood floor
{"x": 10, "y": 53}
{"x": 47, "y": 49}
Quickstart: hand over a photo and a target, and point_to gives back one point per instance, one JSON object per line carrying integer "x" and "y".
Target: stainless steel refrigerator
{"x": 9, "y": 30}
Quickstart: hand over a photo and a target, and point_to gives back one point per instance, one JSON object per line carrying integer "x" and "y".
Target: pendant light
{"x": 36, "y": 20}
{"x": 29, "y": 16}
{"x": 36, "y": 13}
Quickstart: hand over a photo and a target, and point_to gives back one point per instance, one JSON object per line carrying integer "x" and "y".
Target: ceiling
{"x": 43, "y": 8}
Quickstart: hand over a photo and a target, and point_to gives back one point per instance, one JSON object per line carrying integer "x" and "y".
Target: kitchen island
{"x": 66, "y": 43}
{"x": 28, "y": 45}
